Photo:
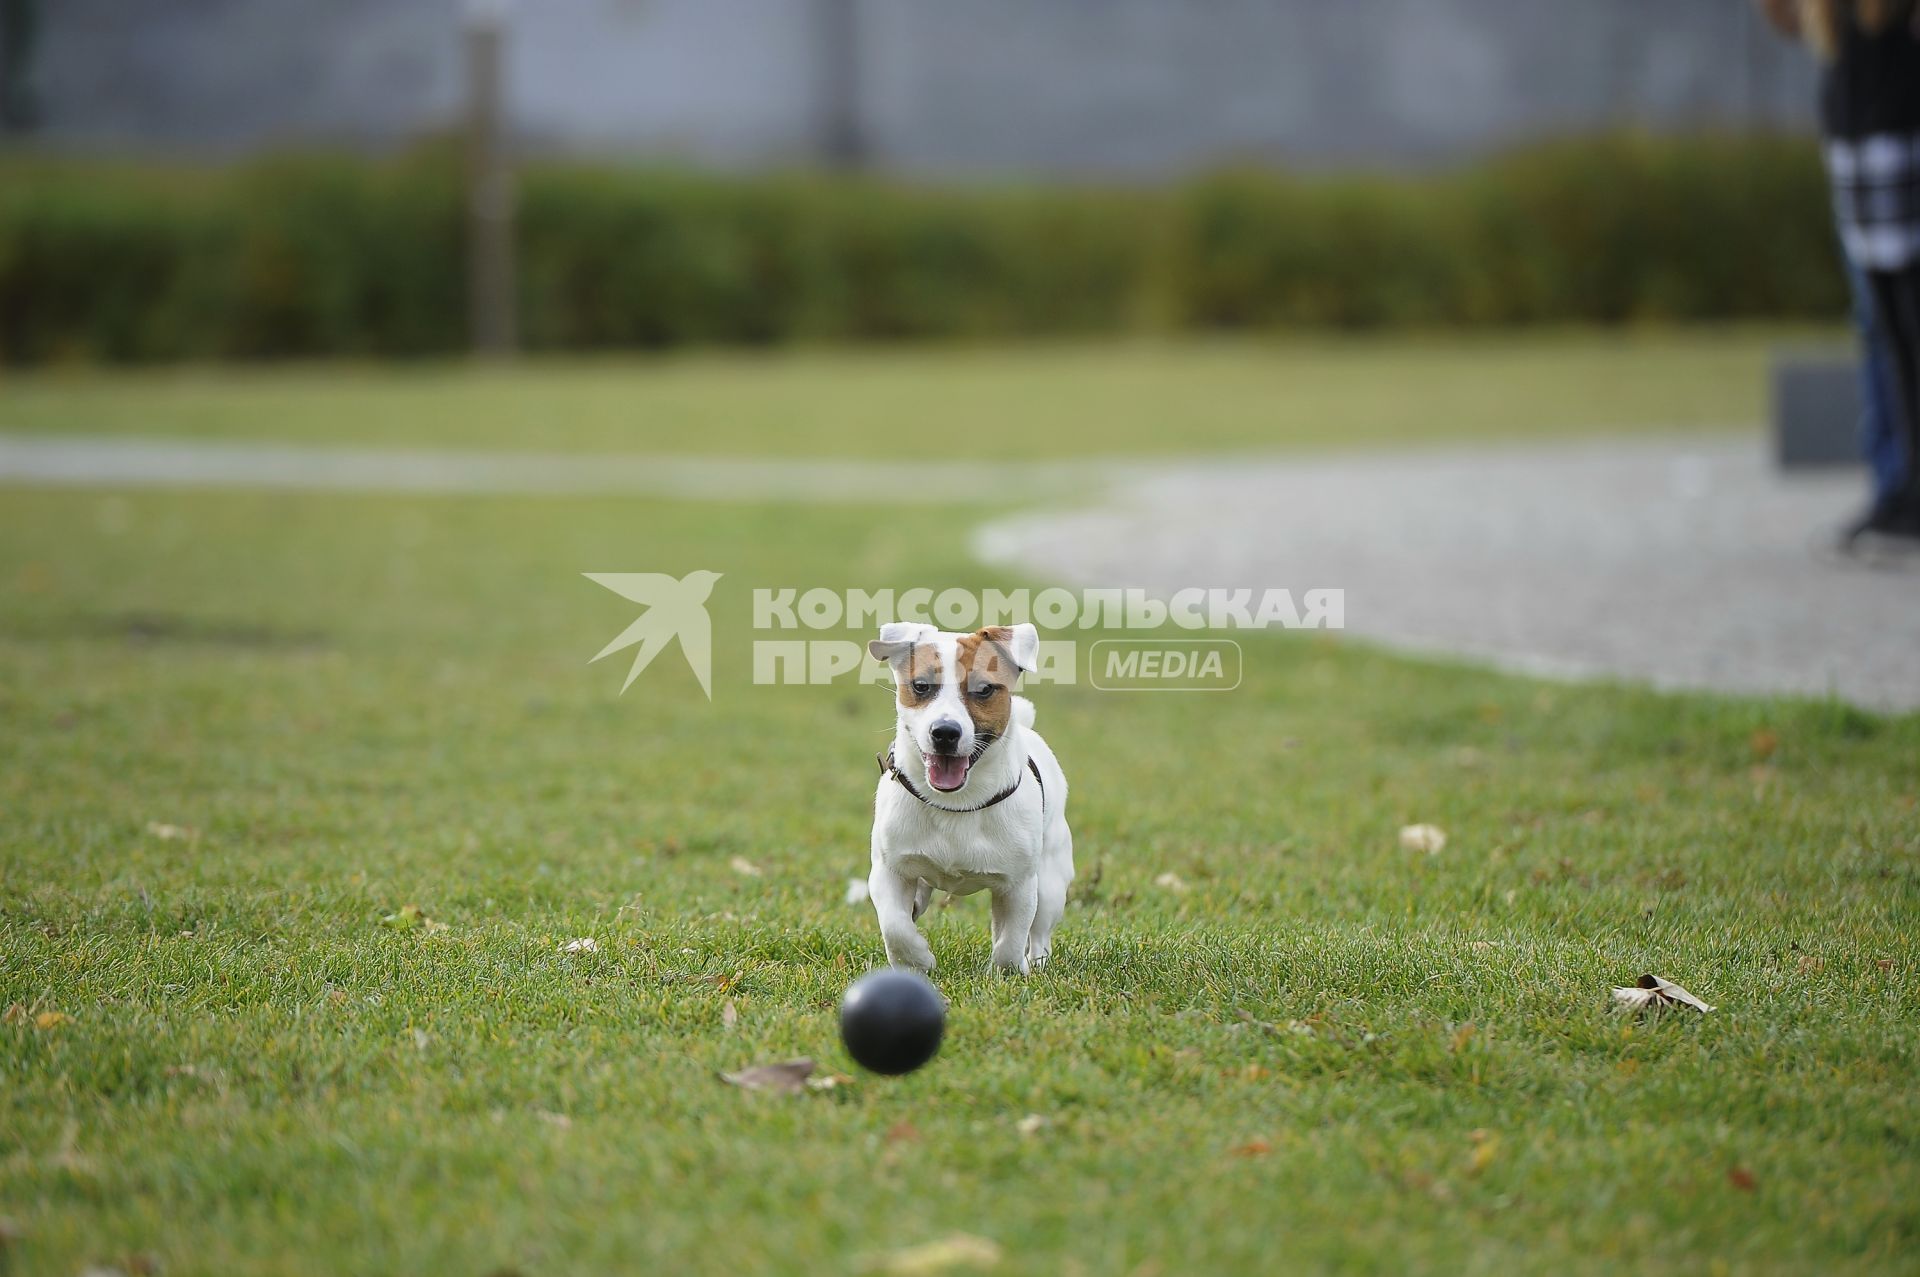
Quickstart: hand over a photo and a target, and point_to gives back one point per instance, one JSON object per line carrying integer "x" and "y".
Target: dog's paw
{"x": 1011, "y": 966}
{"x": 917, "y": 956}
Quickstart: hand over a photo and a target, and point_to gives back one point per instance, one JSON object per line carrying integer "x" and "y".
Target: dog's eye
{"x": 922, "y": 689}
{"x": 984, "y": 690}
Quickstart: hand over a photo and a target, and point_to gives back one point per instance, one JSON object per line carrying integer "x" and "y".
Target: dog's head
{"x": 955, "y": 690}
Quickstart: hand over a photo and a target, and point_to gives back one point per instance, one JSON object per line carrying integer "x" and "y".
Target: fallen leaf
{"x": 51, "y": 1019}
{"x": 788, "y": 1078}
{"x": 194, "y": 1071}
{"x": 171, "y": 833}
{"x": 1763, "y": 743}
{"x": 903, "y": 1132}
{"x": 405, "y": 918}
{"x": 1811, "y": 962}
{"x": 337, "y": 996}
{"x": 1885, "y": 964}
{"x": 829, "y": 1081}
{"x": 1172, "y": 882}
{"x": 1253, "y": 1148}
{"x": 1297, "y": 1027}
{"x": 1742, "y": 1178}
{"x": 585, "y": 944}
{"x": 1655, "y": 994}
{"x": 938, "y": 1256}
{"x": 1032, "y": 1124}
{"x": 729, "y": 1015}
{"x": 1428, "y": 838}
{"x": 741, "y": 865}
{"x": 1486, "y": 1146}
{"x": 857, "y": 891}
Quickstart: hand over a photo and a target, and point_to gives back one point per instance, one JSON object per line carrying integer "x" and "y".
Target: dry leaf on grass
{"x": 729, "y": 1015}
{"x": 787, "y": 1078}
{"x": 741, "y": 865}
{"x": 1655, "y": 994}
{"x": 1428, "y": 838}
{"x": 409, "y": 917}
{"x": 171, "y": 833}
{"x": 1172, "y": 882}
{"x": 51, "y": 1019}
{"x": 1032, "y": 1124}
{"x": 937, "y": 1257}
{"x": 829, "y": 1081}
{"x": 585, "y": 944}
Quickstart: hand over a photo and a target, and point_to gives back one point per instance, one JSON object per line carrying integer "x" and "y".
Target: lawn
{"x": 240, "y": 734}
{"x": 1143, "y": 398}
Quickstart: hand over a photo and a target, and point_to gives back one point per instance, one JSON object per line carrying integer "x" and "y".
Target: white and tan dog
{"x": 970, "y": 798}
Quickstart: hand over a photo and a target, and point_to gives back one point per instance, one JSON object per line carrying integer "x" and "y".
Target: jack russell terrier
{"x": 970, "y": 798}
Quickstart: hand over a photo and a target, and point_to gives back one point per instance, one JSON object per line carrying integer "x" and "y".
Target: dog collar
{"x": 887, "y": 768}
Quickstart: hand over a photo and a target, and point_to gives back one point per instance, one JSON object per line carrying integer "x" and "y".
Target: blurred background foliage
{"x": 334, "y": 255}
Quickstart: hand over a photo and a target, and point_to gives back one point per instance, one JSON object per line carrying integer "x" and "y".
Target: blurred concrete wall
{"x": 1118, "y": 87}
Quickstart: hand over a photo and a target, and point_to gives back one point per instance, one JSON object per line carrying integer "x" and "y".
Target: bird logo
{"x": 674, "y": 609}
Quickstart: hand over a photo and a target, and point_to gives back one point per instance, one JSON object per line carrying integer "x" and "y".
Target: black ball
{"x": 892, "y": 1020}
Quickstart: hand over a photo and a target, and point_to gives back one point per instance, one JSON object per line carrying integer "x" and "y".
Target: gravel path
{"x": 107, "y": 461}
{"x": 1685, "y": 563}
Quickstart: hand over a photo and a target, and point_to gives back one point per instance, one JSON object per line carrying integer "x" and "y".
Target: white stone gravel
{"x": 1687, "y": 563}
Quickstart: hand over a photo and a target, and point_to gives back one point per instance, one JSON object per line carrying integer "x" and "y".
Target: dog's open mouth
{"x": 947, "y": 772}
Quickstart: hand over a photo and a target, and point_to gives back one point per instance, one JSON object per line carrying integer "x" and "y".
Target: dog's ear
{"x": 897, "y": 638}
{"x": 1022, "y": 643}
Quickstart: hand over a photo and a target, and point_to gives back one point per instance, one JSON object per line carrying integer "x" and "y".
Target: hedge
{"x": 333, "y": 255}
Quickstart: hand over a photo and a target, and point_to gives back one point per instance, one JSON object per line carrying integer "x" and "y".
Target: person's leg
{"x": 1896, "y": 296}
{"x": 1880, "y": 443}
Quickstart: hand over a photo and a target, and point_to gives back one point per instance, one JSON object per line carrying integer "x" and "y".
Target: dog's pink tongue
{"x": 947, "y": 772}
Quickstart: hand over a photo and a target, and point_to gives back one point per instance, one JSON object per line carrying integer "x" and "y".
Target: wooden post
{"x": 843, "y": 142}
{"x": 490, "y": 282}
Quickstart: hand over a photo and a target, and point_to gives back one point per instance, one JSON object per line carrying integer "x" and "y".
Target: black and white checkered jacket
{"x": 1876, "y": 198}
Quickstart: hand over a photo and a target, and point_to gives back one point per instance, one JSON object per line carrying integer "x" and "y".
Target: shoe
{"x": 1887, "y": 535}
{"x": 1887, "y": 513}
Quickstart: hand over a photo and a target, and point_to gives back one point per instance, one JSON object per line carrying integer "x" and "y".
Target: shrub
{"x": 331, "y": 255}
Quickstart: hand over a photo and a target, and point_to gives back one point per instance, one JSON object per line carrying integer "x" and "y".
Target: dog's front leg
{"x": 1013, "y": 911}
{"x": 893, "y": 901}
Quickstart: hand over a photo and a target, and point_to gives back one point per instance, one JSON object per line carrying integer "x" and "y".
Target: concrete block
{"x": 1816, "y": 410}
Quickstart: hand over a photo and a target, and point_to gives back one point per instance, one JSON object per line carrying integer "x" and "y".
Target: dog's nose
{"x": 946, "y": 735}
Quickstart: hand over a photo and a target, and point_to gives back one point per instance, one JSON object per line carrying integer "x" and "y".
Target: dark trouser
{"x": 1896, "y": 298}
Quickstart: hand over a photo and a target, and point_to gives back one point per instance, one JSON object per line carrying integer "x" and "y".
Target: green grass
{"x": 361, "y": 703}
{"x": 1047, "y": 401}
